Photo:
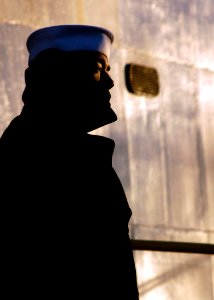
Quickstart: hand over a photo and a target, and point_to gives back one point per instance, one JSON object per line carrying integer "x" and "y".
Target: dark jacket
{"x": 65, "y": 216}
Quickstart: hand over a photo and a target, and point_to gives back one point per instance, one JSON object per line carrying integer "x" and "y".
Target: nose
{"x": 112, "y": 83}
{"x": 108, "y": 81}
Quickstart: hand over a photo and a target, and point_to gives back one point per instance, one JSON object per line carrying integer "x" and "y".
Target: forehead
{"x": 86, "y": 57}
{"x": 70, "y": 59}
{"x": 90, "y": 57}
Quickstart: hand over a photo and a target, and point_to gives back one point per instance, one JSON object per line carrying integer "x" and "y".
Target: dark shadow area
{"x": 65, "y": 213}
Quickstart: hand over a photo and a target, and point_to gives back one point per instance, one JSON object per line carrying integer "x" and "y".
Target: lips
{"x": 97, "y": 97}
{"x": 105, "y": 95}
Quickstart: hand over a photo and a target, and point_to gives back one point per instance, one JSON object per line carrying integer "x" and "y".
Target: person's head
{"x": 68, "y": 73}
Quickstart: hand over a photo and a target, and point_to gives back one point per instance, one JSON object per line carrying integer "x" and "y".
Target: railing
{"x": 151, "y": 245}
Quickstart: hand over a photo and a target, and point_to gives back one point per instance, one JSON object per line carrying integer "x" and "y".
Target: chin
{"x": 104, "y": 118}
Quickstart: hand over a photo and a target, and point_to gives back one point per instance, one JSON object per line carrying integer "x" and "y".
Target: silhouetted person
{"x": 65, "y": 214}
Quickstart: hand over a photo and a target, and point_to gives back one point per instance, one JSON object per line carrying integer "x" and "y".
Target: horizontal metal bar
{"x": 169, "y": 246}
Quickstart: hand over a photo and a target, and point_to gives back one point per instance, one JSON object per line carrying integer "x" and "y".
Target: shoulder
{"x": 12, "y": 132}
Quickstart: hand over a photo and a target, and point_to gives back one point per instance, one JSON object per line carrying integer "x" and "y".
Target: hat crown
{"x": 70, "y": 38}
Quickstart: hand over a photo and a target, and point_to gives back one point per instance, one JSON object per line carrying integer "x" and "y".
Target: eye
{"x": 98, "y": 67}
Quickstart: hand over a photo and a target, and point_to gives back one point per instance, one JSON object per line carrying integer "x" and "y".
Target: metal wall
{"x": 164, "y": 145}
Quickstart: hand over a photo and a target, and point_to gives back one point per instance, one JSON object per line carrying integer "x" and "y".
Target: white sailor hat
{"x": 70, "y": 38}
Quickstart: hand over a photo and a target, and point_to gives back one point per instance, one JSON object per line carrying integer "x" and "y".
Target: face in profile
{"x": 75, "y": 86}
{"x": 89, "y": 74}
{"x": 87, "y": 82}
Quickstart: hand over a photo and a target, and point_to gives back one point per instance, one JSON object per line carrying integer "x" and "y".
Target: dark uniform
{"x": 66, "y": 216}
